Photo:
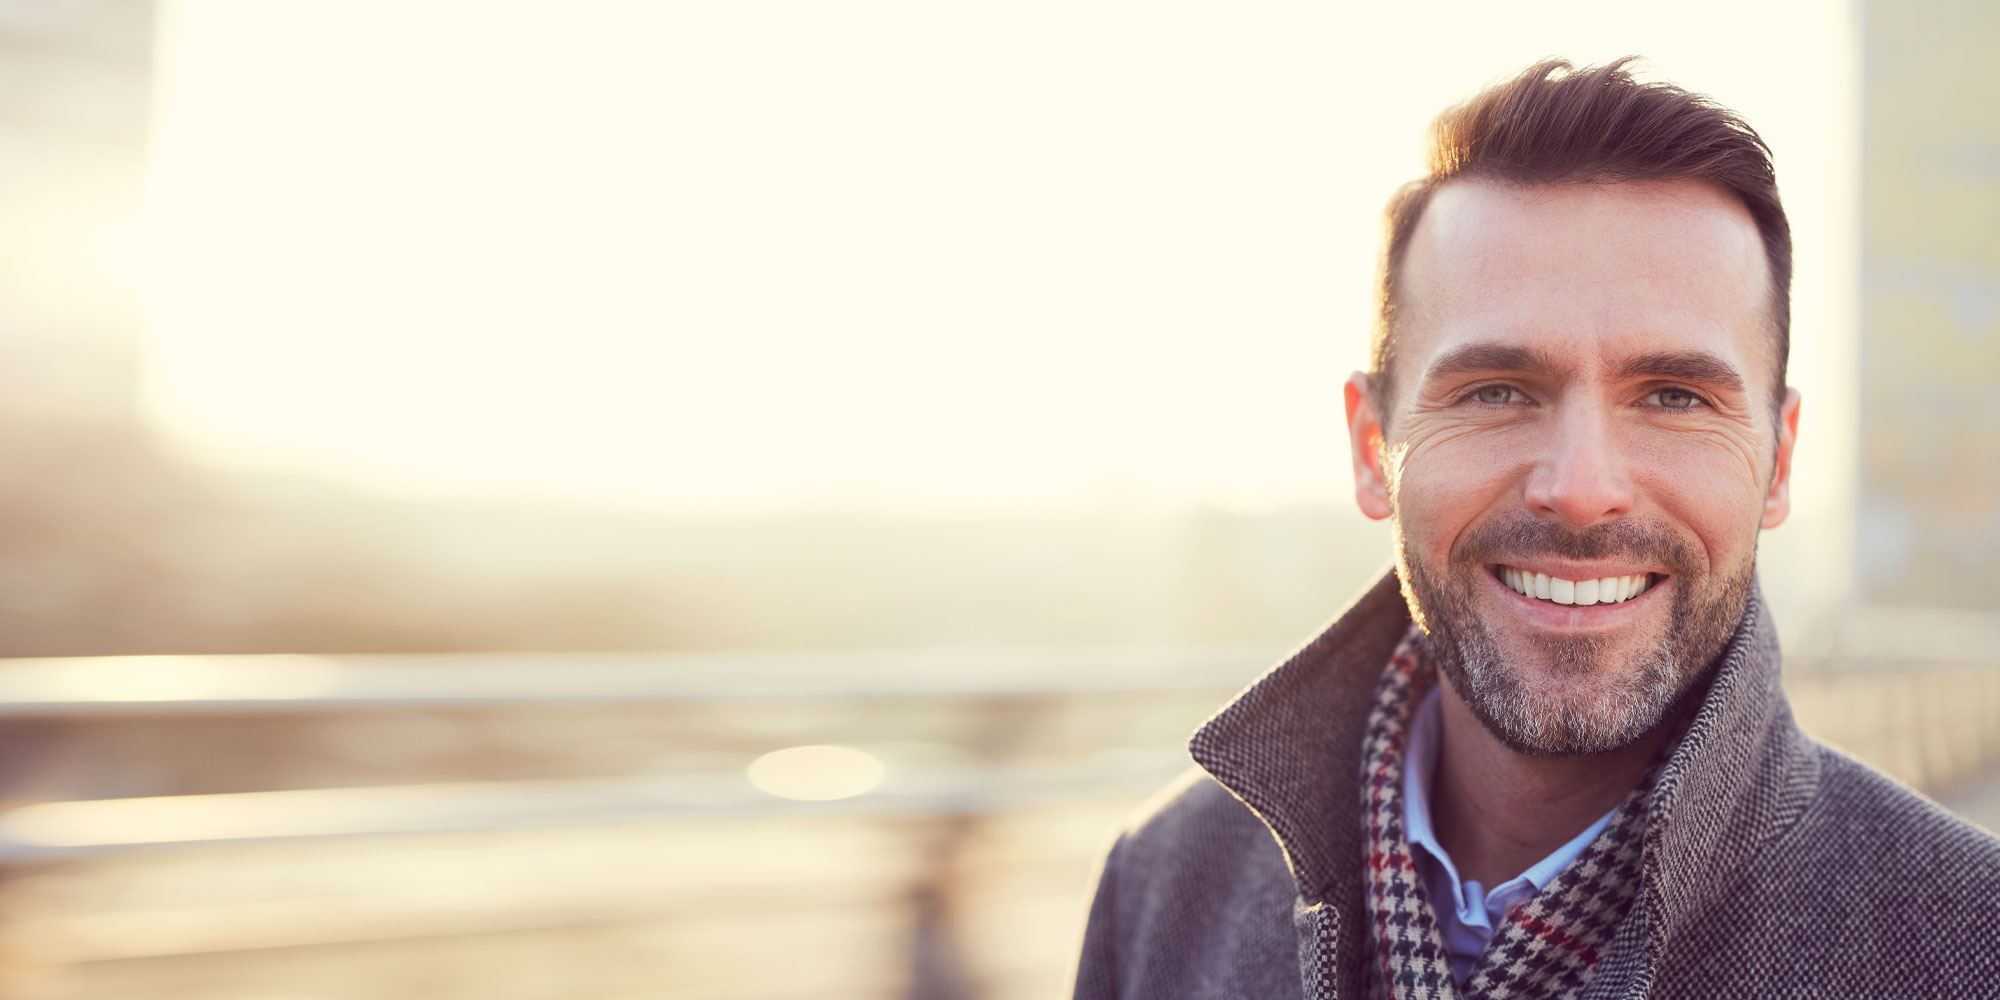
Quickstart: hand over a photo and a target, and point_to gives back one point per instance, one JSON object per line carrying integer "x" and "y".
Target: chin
{"x": 1567, "y": 699}
{"x": 1564, "y": 698}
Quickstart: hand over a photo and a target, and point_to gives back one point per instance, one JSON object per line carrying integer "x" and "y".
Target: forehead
{"x": 1596, "y": 270}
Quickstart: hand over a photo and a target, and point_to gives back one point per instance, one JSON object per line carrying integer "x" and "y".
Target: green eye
{"x": 1677, "y": 399}
{"x": 1495, "y": 394}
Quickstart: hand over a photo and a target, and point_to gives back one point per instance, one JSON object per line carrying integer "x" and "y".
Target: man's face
{"x": 1582, "y": 393}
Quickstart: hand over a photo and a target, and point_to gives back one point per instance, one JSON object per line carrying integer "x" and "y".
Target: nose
{"x": 1580, "y": 477}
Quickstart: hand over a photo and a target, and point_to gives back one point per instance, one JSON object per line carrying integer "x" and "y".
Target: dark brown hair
{"x": 1554, "y": 124}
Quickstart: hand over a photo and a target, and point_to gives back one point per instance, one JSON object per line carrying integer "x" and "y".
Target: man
{"x": 1549, "y": 756}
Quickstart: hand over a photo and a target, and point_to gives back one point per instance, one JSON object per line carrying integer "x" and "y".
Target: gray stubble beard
{"x": 1644, "y": 692}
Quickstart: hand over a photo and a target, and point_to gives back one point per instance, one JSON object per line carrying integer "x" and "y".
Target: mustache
{"x": 1519, "y": 535}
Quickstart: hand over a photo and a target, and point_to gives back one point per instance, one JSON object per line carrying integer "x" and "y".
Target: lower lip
{"x": 1577, "y": 618}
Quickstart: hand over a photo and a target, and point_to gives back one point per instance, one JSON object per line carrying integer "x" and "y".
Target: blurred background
{"x": 616, "y": 500}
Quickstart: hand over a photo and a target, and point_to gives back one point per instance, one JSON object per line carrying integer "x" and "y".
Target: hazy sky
{"x": 710, "y": 253}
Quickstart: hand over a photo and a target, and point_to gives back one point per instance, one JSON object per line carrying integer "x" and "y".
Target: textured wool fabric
{"x": 1770, "y": 866}
{"x": 1549, "y": 946}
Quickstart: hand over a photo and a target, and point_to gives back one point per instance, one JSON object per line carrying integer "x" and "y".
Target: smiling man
{"x": 1549, "y": 756}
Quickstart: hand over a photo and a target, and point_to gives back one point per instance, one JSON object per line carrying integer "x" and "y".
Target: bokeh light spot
{"x": 816, "y": 773}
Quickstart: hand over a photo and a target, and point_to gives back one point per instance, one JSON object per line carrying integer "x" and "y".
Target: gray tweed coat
{"x": 1773, "y": 866}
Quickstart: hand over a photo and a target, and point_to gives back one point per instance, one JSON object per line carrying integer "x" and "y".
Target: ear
{"x": 1778, "y": 502}
{"x": 1364, "y": 435}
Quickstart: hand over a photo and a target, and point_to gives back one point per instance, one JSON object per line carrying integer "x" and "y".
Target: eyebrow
{"x": 1487, "y": 357}
{"x": 1684, "y": 366}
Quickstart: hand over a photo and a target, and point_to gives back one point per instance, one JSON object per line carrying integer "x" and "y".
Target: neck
{"x": 1498, "y": 811}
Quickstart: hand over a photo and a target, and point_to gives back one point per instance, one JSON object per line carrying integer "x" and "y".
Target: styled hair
{"x": 1554, "y": 124}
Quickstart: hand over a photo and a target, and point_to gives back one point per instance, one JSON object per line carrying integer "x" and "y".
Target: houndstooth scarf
{"x": 1548, "y": 947}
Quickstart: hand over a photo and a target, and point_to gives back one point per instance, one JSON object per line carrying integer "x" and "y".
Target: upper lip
{"x": 1560, "y": 570}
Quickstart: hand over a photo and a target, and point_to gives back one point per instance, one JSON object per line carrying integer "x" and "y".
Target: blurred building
{"x": 74, "y": 126}
{"x": 1928, "y": 524}
{"x": 83, "y": 494}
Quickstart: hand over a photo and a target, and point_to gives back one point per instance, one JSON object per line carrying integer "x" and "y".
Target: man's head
{"x": 1554, "y": 126}
{"x": 1579, "y": 376}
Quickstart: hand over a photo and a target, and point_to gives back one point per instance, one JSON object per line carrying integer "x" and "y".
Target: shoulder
{"x": 1192, "y": 845}
{"x": 1193, "y": 814}
{"x": 1873, "y": 891}
{"x": 1877, "y": 827}
{"x": 1194, "y": 900}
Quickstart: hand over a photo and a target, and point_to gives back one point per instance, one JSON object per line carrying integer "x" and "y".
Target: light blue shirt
{"x": 1466, "y": 911}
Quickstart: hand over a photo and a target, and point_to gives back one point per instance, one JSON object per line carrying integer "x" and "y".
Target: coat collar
{"x": 1289, "y": 746}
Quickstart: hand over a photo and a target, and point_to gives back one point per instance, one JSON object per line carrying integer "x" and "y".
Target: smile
{"x": 1555, "y": 590}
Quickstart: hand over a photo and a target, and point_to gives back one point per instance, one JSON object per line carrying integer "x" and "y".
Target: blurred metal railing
{"x": 937, "y": 807}
{"x": 67, "y": 830}
{"x": 1929, "y": 720}
{"x": 1928, "y": 717}
{"x": 228, "y": 685}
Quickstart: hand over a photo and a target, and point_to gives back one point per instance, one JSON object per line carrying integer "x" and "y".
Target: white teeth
{"x": 1582, "y": 593}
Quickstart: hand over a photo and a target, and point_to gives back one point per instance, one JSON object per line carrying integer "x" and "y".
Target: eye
{"x": 1676, "y": 399}
{"x": 1496, "y": 395}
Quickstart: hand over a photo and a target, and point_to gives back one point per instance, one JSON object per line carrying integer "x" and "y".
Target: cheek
{"x": 1710, "y": 491}
{"x": 1441, "y": 489}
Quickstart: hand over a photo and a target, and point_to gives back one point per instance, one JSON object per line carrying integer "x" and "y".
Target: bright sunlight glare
{"x": 710, "y": 252}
